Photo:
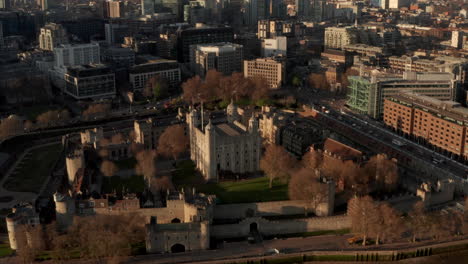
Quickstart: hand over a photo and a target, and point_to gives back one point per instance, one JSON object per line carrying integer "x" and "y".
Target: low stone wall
{"x": 266, "y": 227}
{"x": 239, "y": 211}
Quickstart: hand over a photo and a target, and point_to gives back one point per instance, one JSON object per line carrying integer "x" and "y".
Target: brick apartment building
{"x": 441, "y": 123}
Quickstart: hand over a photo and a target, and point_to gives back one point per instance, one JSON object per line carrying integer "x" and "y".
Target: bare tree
{"x": 100, "y": 236}
{"x": 362, "y": 213}
{"x": 319, "y": 81}
{"x": 312, "y": 159}
{"x": 173, "y": 142}
{"x": 391, "y": 228}
{"x": 118, "y": 138}
{"x": 52, "y": 117}
{"x": 108, "y": 168}
{"x": 384, "y": 171}
{"x": 146, "y": 165}
{"x": 305, "y": 185}
{"x": 162, "y": 184}
{"x": 10, "y": 127}
{"x": 96, "y": 109}
{"x": 277, "y": 163}
{"x": 418, "y": 221}
{"x": 192, "y": 88}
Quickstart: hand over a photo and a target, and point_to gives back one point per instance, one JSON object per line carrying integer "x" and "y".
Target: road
{"x": 377, "y": 138}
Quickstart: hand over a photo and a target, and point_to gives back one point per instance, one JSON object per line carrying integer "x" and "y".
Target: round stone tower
{"x": 64, "y": 210}
{"x": 74, "y": 162}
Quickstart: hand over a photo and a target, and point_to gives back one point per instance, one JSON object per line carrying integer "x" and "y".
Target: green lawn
{"x": 135, "y": 184}
{"x": 5, "y": 250}
{"x": 243, "y": 191}
{"x": 35, "y": 170}
{"x": 126, "y": 164}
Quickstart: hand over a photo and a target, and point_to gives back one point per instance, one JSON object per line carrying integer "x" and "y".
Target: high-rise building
{"x": 223, "y": 57}
{"x": 5, "y": 4}
{"x": 338, "y": 37}
{"x": 271, "y": 70}
{"x": 385, "y": 4}
{"x": 200, "y": 34}
{"x": 2, "y": 42}
{"x": 457, "y": 39}
{"x": 442, "y": 124}
{"x": 77, "y": 54}
{"x": 116, "y": 33}
{"x": 255, "y": 10}
{"x": 148, "y": 7}
{"x": 303, "y": 8}
{"x": 175, "y": 6}
{"x": 116, "y": 9}
{"x": 275, "y": 47}
{"x": 44, "y": 5}
{"x": 51, "y": 36}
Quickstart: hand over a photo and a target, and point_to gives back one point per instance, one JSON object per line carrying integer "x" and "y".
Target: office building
{"x": 2, "y": 41}
{"x": 166, "y": 69}
{"x": 44, "y": 4}
{"x": 51, "y": 36}
{"x": 116, "y": 9}
{"x": 338, "y": 37}
{"x": 176, "y": 7}
{"x": 367, "y": 94}
{"x": 76, "y": 54}
{"x": 271, "y": 28}
{"x": 5, "y": 4}
{"x": 92, "y": 81}
{"x": 457, "y": 39}
{"x": 116, "y": 33}
{"x": 270, "y": 69}
{"x": 119, "y": 57}
{"x": 200, "y": 34}
{"x": 442, "y": 124}
{"x": 223, "y": 57}
{"x": 303, "y": 8}
{"x": 275, "y": 47}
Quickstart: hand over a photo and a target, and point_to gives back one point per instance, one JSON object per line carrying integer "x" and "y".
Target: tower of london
{"x": 227, "y": 146}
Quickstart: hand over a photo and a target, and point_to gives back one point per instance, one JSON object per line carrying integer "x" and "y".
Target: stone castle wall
{"x": 266, "y": 227}
{"x": 239, "y": 211}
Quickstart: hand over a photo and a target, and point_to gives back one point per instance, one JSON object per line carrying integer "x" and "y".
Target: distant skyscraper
{"x": 1, "y": 34}
{"x": 303, "y": 8}
{"x": 4, "y": 4}
{"x": 255, "y": 10}
{"x": 457, "y": 39}
{"x": 51, "y": 36}
{"x": 148, "y": 7}
{"x": 44, "y": 4}
{"x": 385, "y": 4}
{"x": 116, "y": 9}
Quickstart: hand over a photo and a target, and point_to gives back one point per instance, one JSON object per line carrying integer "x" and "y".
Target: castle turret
{"x": 74, "y": 161}
{"x": 232, "y": 113}
{"x": 253, "y": 124}
{"x": 210, "y": 134}
{"x": 64, "y": 210}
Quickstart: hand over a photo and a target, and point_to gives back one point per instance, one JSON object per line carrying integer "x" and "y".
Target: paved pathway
{"x": 19, "y": 196}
